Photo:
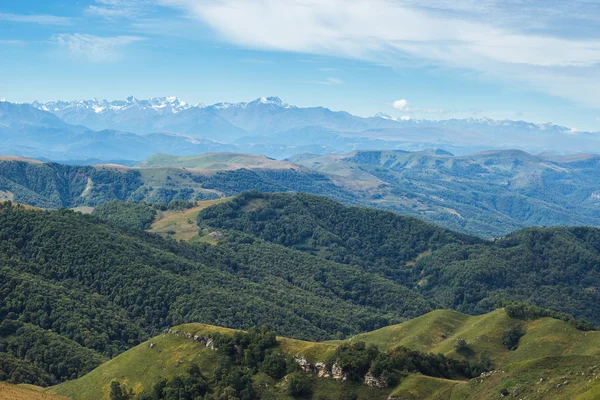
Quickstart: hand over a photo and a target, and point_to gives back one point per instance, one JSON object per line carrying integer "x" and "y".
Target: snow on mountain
{"x": 161, "y": 104}
{"x": 390, "y": 118}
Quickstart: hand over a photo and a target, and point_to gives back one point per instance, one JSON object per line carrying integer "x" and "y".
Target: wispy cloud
{"x": 94, "y": 48}
{"x": 12, "y": 42}
{"x": 459, "y": 34}
{"x": 35, "y": 19}
{"x": 330, "y": 81}
{"x": 112, "y": 9}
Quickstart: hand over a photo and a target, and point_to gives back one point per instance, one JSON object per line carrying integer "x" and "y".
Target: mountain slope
{"x": 269, "y": 126}
{"x": 490, "y": 193}
{"x": 542, "y": 353}
{"x": 557, "y": 268}
{"x": 105, "y": 287}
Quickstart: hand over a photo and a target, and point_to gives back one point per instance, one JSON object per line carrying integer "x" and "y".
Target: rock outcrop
{"x": 207, "y": 342}
{"x": 321, "y": 369}
{"x": 371, "y": 381}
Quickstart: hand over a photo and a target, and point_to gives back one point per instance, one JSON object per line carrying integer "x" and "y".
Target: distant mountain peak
{"x": 160, "y": 104}
{"x": 389, "y": 117}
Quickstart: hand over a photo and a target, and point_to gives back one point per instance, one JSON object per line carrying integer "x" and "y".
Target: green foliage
{"x": 126, "y": 214}
{"x": 299, "y": 385}
{"x": 58, "y": 356}
{"x": 531, "y": 311}
{"x": 17, "y": 370}
{"x": 461, "y": 345}
{"x": 53, "y": 185}
{"x": 354, "y": 359}
{"x": 373, "y": 239}
{"x": 511, "y": 336}
{"x": 190, "y": 386}
{"x": 555, "y": 268}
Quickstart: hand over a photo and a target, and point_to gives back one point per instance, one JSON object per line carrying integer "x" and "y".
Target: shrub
{"x": 461, "y": 345}
{"x": 299, "y": 385}
{"x": 510, "y": 337}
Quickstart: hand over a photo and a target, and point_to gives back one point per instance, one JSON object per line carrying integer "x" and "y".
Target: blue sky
{"x": 438, "y": 59}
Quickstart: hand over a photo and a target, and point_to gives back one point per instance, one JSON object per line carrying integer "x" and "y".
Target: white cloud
{"x": 396, "y": 33}
{"x": 405, "y": 118}
{"x": 35, "y": 19}
{"x": 94, "y": 48}
{"x": 400, "y": 104}
{"x": 331, "y": 81}
{"x": 12, "y": 42}
{"x": 112, "y": 9}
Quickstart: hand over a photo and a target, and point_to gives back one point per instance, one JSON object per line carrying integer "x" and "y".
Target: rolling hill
{"x": 489, "y": 194}
{"x": 549, "y": 353}
{"x": 554, "y": 267}
{"x": 80, "y": 289}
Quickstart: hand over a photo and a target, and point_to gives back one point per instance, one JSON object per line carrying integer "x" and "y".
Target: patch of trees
{"x": 59, "y": 357}
{"x": 552, "y": 268}
{"x": 530, "y": 311}
{"x": 52, "y": 185}
{"x": 108, "y": 288}
{"x": 240, "y": 357}
{"x": 357, "y": 359}
{"x": 511, "y": 336}
{"x": 191, "y": 385}
{"x": 126, "y": 214}
{"x": 375, "y": 240}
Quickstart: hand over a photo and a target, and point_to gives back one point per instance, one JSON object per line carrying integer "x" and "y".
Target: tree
{"x": 299, "y": 385}
{"x": 117, "y": 391}
{"x": 510, "y": 337}
{"x": 460, "y": 345}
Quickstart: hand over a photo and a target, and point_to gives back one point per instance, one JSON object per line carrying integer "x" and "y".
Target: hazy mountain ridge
{"x": 269, "y": 126}
{"x": 488, "y": 194}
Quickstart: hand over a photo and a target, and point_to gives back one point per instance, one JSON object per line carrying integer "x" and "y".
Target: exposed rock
{"x": 337, "y": 373}
{"x": 210, "y": 344}
{"x": 322, "y": 371}
{"x": 152, "y": 345}
{"x": 304, "y": 365}
{"x": 371, "y": 381}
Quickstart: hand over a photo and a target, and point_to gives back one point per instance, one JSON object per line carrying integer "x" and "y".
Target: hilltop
{"x": 488, "y": 194}
{"x": 549, "y": 353}
{"x": 308, "y": 267}
{"x": 215, "y": 161}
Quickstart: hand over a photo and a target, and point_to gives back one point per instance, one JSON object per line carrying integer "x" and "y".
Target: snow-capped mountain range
{"x": 161, "y": 104}
{"x": 134, "y": 129}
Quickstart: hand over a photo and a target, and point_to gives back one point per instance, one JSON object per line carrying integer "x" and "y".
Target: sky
{"x": 504, "y": 59}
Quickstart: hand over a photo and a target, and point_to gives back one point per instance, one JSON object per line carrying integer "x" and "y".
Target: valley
{"x": 487, "y": 194}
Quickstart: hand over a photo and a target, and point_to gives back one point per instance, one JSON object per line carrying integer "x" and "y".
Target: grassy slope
{"x": 551, "y": 350}
{"x": 179, "y": 221}
{"x": 25, "y": 392}
{"x": 215, "y": 161}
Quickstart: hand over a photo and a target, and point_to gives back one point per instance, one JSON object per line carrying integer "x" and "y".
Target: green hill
{"x": 215, "y": 161}
{"x": 549, "y": 353}
{"x": 79, "y": 289}
{"x": 488, "y": 194}
{"x": 557, "y": 268}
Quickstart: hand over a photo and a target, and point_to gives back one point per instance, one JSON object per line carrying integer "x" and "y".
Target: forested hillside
{"x": 105, "y": 288}
{"x": 91, "y": 286}
{"x": 553, "y": 267}
{"x": 487, "y": 194}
